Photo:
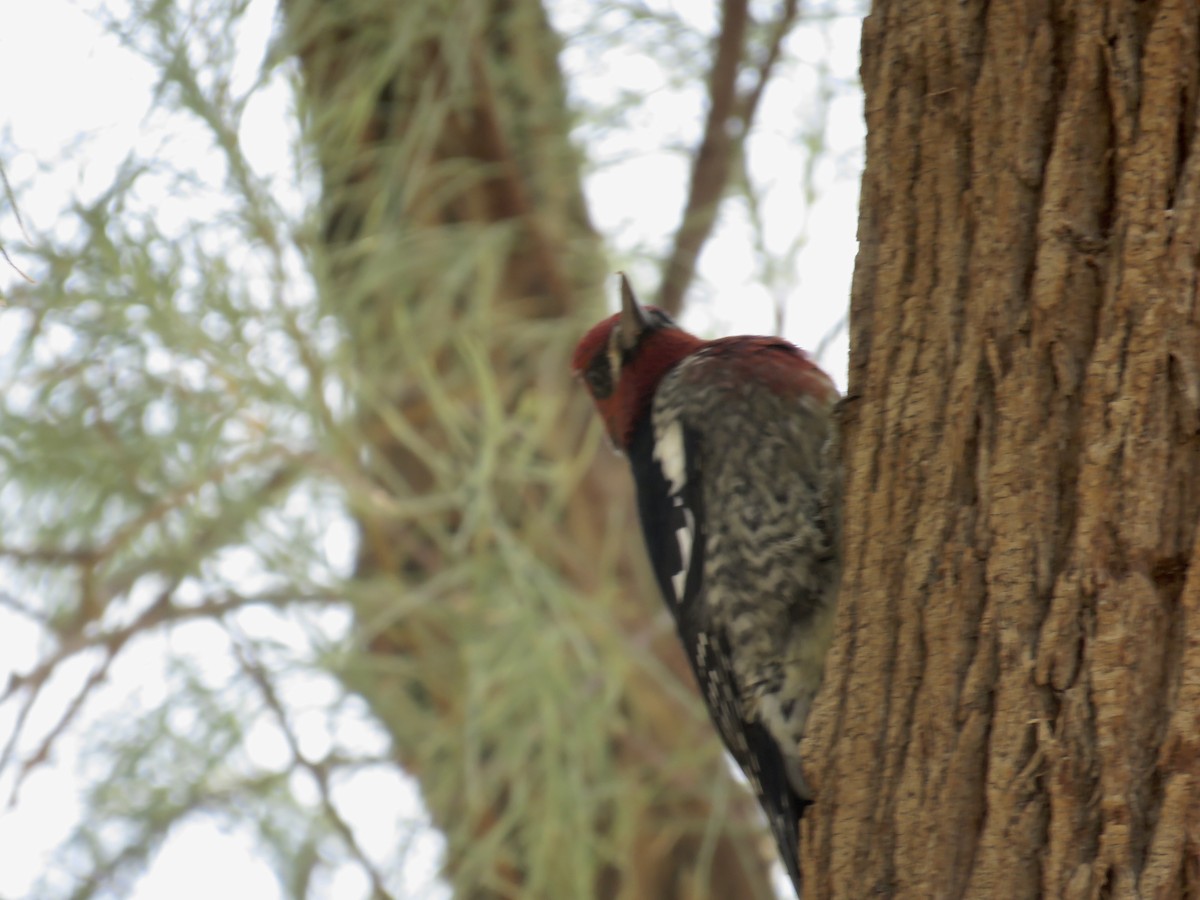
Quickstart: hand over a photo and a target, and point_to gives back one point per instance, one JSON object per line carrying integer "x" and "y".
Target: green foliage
{"x": 192, "y": 402}
{"x": 169, "y": 453}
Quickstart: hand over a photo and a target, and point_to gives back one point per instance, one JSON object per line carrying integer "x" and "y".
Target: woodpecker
{"x": 731, "y": 446}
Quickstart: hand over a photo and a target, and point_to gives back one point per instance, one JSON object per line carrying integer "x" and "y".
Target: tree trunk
{"x": 1013, "y": 699}
{"x": 519, "y": 656}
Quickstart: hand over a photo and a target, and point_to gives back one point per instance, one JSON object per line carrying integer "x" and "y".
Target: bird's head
{"x": 624, "y": 357}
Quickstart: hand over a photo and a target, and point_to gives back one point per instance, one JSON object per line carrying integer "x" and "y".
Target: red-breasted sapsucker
{"x": 730, "y": 445}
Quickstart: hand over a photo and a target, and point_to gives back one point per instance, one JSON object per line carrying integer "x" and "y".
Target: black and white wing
{"x": 667, "y": 469}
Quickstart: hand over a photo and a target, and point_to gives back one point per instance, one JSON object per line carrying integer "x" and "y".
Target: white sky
{"x": 64, "y": 77}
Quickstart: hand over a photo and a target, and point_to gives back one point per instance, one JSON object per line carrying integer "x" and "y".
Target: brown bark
{"x": 462, "y": 270}
{"x": 1013, "y": 699}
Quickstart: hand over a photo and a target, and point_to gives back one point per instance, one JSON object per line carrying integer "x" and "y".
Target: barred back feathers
{"x": 729, "y": 445}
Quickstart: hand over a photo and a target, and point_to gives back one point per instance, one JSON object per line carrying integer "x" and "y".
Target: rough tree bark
{"x": 1013, "y": 700}
{"x": 462, "y": 269}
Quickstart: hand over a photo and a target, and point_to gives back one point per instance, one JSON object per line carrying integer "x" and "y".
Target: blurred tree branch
{"x": 457, "y": 242}
{"x": 730, "y": 120}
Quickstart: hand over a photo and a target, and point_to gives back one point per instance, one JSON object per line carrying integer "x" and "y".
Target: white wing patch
{"x": 685, "y": 534}
{"x": 671, "y": 457}
{"x": 668, "y": 450}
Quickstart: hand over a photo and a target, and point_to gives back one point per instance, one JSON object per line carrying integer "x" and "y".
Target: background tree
{"x": 441, "y": 130}
{"x": 1016, "y": 679}
{"x": 271, "y": 452}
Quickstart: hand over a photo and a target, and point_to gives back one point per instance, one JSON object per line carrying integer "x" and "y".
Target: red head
{"x": 623, "y": 358}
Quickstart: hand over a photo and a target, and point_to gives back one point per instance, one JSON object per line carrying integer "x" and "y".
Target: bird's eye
{"x": 599, "y": 378}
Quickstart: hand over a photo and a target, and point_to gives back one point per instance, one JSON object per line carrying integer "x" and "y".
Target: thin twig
{"x": 319, "y": 770}
{"x": 12, "y": 265}
{"x": 42, "y": 753}
{"x": 81, "y": 556}
{"x": 730, "y": 120}
{"x": 831, "y": 335}
{"x": 710, "y": 172}
{"x": 11, "y": 603}
{"x": 12, "y": 201}
{"x": 783, "y": 25}
{"x": 162, "y": 611}
{"x": 111, "y": 642}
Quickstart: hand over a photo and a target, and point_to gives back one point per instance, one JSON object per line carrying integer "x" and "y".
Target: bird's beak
{"x": 633, "y": 319}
